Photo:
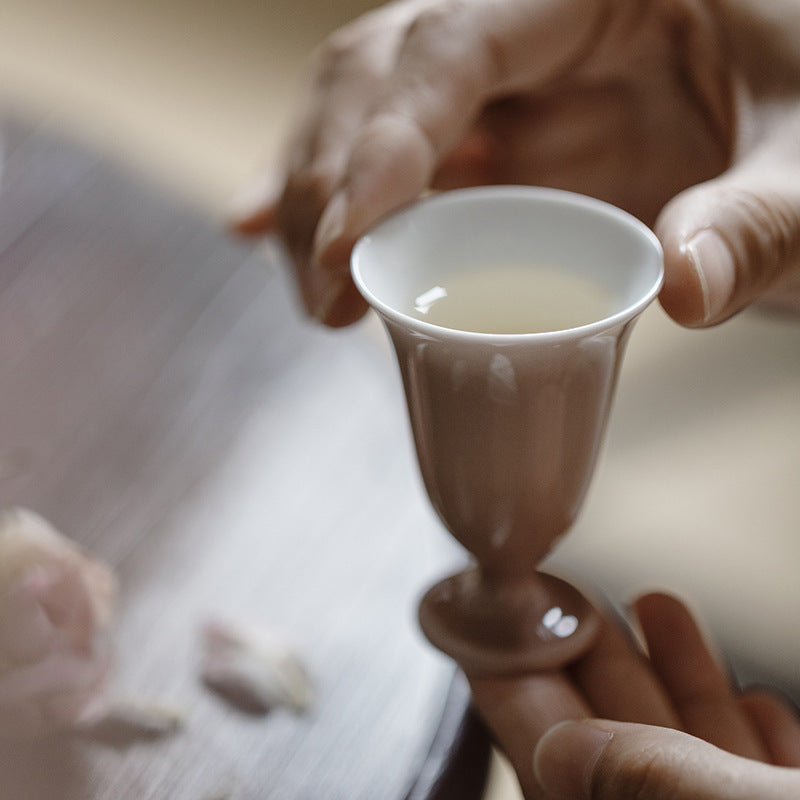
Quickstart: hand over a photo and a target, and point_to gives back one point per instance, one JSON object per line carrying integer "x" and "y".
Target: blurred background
{"x": 196, "y": 92}
{"x": 696, "y": 490}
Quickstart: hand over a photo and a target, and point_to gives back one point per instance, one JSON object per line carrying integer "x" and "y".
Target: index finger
{"x": 456, "y": 56}
{"x": 520, "y": 709}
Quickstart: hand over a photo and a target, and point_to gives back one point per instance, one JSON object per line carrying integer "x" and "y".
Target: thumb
{"x": 726, "y": 242}
{"x": 596, "y": 759}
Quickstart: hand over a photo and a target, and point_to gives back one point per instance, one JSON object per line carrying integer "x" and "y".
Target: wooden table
{"x": 163, "y": 403}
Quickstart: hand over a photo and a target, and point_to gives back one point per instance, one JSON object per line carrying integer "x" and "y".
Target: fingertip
{"x": 691, "y": 294}
{"x": 699, "y": 280}
{"x": 331, "y": 298}
{"x": 771, "y": 697}
{"x": 770, "y": 705}
{"x": 346, "y": 308}
{"x": 699, "y": 267}
{"x": 252, "y": 209}
{"x": 777, "y": 720}
{"x": 665, "y": 619}
{"x": 255, "y": 225}
{"x": 670, "y": 628}
{"x": 681, "y": 298}
{"x": 659, "y": 607}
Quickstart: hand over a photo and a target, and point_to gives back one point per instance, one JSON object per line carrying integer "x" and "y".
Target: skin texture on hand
{"x": 684, "y": 112}
{"x": 679, "y": 729}
{"x": 601, "y": 759}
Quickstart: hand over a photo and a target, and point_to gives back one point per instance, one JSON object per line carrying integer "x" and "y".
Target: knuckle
{"x": 782, "y": 223}
{"x": 497, "y": 57}
{"x": 455, "y": 43}
{"x": 768, "y": 239}
{"x": 334, "y": 55}
{"x": 427, "y": 22}
{"x": 355, "y": 47}
{"x": 434, "y": 21}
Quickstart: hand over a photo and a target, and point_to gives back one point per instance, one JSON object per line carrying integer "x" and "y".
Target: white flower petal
{"x": 26, "y": 632}
{"x": 55, "y": 609}
{"x": 254, "y": 668}
{"x": 138, "y": 718}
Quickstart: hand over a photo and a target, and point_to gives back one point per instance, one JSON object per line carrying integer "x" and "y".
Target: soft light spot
{"x": 424, "y": 302}
{"x": 558, "y": 623}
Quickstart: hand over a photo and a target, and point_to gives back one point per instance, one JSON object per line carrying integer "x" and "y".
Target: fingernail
{"x": 331, "y": 225}
{"x": 713, "y": 263}
{"x": 565, "y": 758}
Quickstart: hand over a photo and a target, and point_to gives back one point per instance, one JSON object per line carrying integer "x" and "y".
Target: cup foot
{"x": 534, "y": 625}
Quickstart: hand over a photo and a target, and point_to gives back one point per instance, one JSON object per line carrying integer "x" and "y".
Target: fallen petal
{"x": 255, "y": 669}
{"x": 123, "y": 721}
{"x": 56, "y": 604}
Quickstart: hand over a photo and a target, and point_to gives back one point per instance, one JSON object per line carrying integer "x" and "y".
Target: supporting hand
{"x": 694, "y": 729}
{"x": 624, "y": 761}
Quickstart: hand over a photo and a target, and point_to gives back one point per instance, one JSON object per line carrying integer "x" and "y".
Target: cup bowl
{"x": 470, "y": 229}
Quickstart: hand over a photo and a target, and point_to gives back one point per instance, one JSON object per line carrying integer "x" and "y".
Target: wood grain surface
{"x": 163, "y": 403}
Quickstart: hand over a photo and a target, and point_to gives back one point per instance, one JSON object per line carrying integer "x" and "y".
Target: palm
{"x": 643, "y": 115}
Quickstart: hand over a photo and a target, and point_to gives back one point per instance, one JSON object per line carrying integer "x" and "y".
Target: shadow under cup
{"x": 507, "y": 426}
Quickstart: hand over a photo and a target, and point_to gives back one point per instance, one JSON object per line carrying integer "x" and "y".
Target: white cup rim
{"x": 498, "y": 192}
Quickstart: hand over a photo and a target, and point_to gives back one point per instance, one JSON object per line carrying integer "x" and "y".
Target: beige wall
{"x": 194, "y": 90}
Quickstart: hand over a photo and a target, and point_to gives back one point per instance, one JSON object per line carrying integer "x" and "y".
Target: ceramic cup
{"x": 507, "y": 426}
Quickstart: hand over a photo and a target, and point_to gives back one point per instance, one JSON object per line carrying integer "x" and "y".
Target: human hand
{"x": 633, "y": 103}
{"x": 600, "y": 759}
{"x": 678, "y": 692}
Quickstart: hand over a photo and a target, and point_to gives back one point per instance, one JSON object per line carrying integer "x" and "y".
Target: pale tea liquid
{"x": 509, "y": 300}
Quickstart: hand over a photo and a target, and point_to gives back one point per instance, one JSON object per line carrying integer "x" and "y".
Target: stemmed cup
{"x": 508, "y": 393}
